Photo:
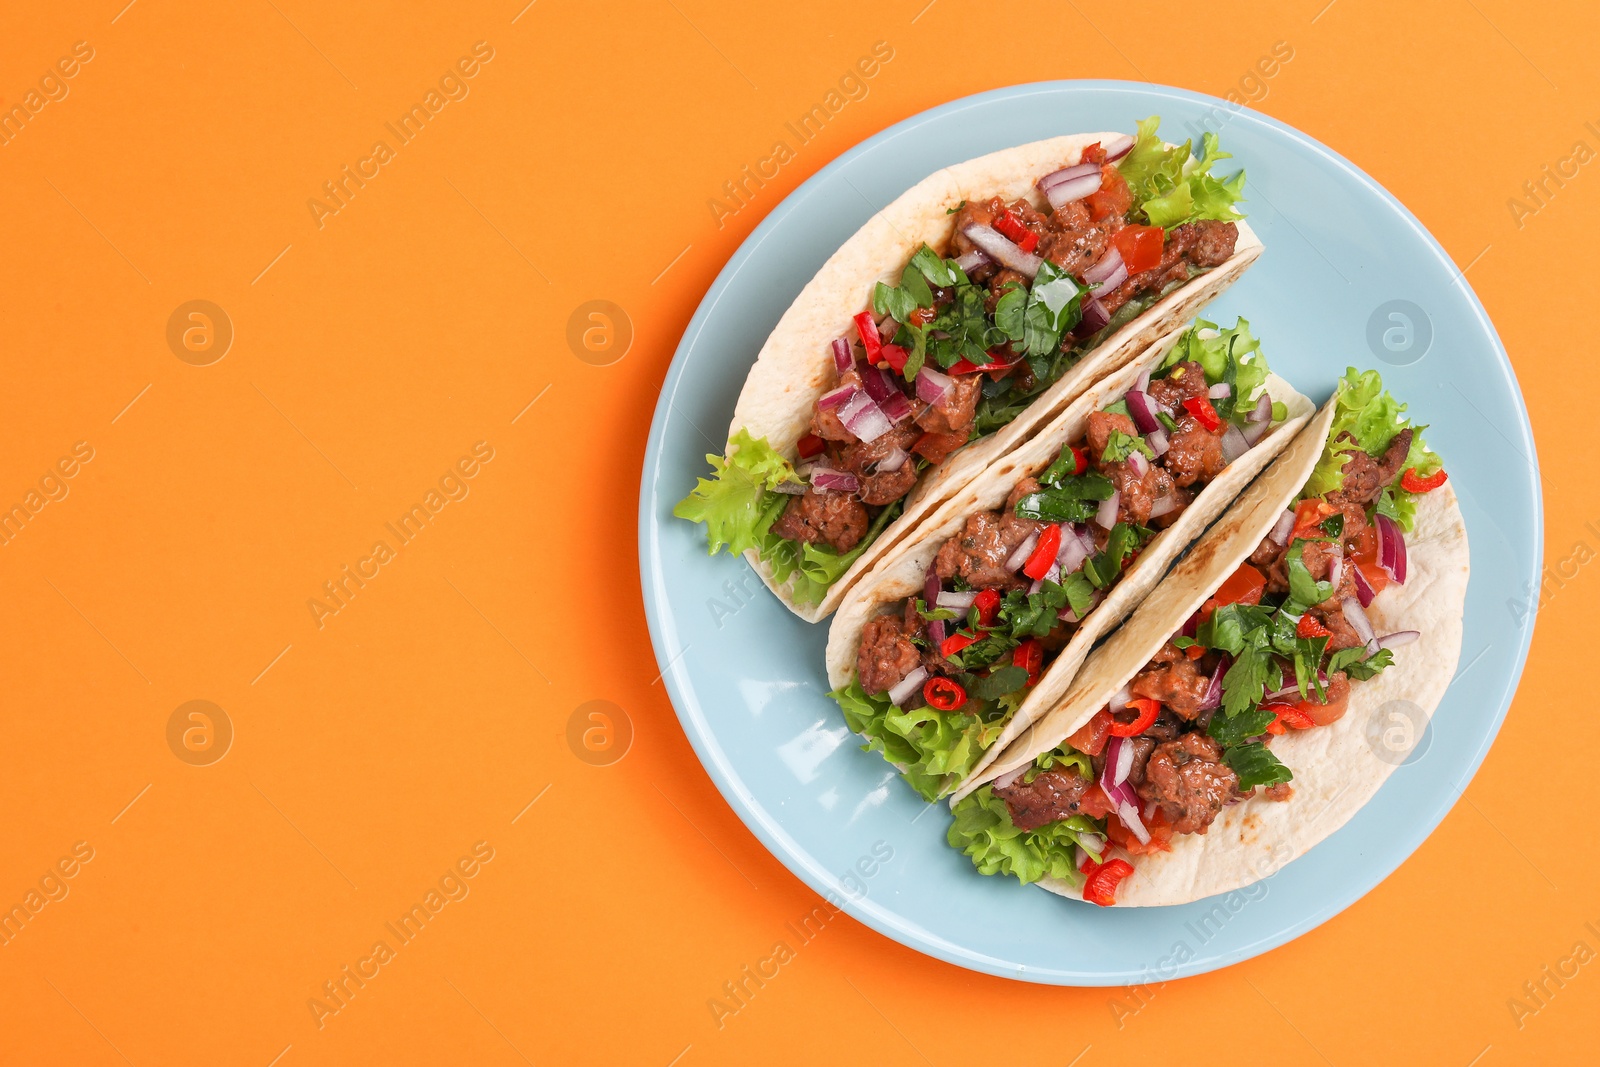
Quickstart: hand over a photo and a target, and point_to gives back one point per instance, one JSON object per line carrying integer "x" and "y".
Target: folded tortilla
{"x": 795, "y": 365}
{"x": 901, "y": 574}
{"x": 1338, "y": 767}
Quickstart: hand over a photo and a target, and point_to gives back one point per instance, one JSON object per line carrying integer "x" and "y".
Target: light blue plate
{"x": 747, "y": 677}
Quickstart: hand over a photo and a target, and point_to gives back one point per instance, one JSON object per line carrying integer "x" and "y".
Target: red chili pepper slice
{"x": 1029, "y": 243}
{"x": 944, "y": 694}
{"x": 1044, "y": 555}
{"x": 868, "y": 329}
{"x": 1411, "y": 483}
{"x": 1308, "y": 626}
{"x": 1147, "y": 707}
{"x": 1140, "y": 246}
{"x": 1080, "y": 460}
{"x": 988, "y": 604}
{"x": 956, "y": 642}
{"x": 1200, "y": 407}
{"x": 1013, "y": 228}
{"x": 1030, "y": 657}
{"x": 1101, "y": 886}
{"x": 1287, "y": 715}
{"x": 895, "y": 356}
{"x": 811, "y": 445}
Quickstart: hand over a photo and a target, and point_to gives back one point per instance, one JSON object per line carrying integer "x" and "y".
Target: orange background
{"x": 371, "y": 753}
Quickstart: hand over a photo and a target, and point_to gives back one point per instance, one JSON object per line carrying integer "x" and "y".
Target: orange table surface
{"x": 381, "y": 355}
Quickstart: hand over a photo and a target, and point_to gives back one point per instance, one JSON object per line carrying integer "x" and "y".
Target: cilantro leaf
{"x": 1255, "y": 765}
{"x": 1119, "y": 446}
{"x": 1067, "y": 501}
{"x": 1304, "y": 589}
{"x": 1235, "y": 730}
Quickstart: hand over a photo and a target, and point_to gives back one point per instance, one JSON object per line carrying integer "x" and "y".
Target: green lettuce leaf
{"x": 1170, "y": 187}
{"x": 935, "y": 748}
{"x": 1237, "y": 345}
{"x": 982, "y": 829}
{"x": 1369, "y": 414}
{"x": 733, "y": 503}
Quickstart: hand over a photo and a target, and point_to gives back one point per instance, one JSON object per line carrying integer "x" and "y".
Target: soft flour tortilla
{"x": 903, "y": 574}
{"x": 795, "y": 366}
{"x": 1337, "y": 768}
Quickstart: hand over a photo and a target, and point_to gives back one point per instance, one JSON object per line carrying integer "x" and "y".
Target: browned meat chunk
{"x": 1175, "y": 680}
{"x": 861, "y": 458}
{"x": 936, "y": 447}
{"x": 1074, "y": 241}
{"x": 1051, "y": 796}
{"x": 1365, "y": 477}
{"x": 1188, "y": 778}
{"x": 1194, "y": 453}
{"x": 979, "y": 552}
{"x": 1331, "y": 615}
{"x": 886, "y": 654}
{"x": 820, "y": 516}
{"x": 954, "y": 412}
{"x": 1194, "y": 244}
{"x": 1101, "y": 425}
{"x": 1184, "y": 381}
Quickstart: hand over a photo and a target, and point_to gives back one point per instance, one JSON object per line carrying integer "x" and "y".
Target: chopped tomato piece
{"x": 1367, "y": 563}
{"x": 1080, "y": 460}
{"x": 1243, "y": 586}
{"x": 1195, "y": 651}
{"x": 1091, "y": 737}
{"x": 1101, "y": 886}
{"x": 1093, "y": 154}
{"x": 811, "y": 445}
{"x": 944, "y": 694}
{"x": 1044, "y": 556}
{"x": 987, "y": 603}
{"x": 956, "y": 642}
{"x": 868, "y": 329}
{"x": 895, "y": 356}
{"x": 966, "y": 366}
{"x": 1200, "y": 407}
{"x": 1157, "y": 826}
{"x": 1095, "y": 803}
{"x": 1308, "y": 626}
{"x": 1411, "y": 483}
{"x": 1030, "y": 657}
{"x": 1147, "y": 707}
{"x": 1308, "y": 519}
{"x": 1140, "y": 247}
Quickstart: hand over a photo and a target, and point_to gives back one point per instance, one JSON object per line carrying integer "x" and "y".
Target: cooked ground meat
{"x": 1330, "y": 614}
{"x": 1194, "y": 453}
{"x": 1175, "y": 680}
{"x": 1051, "y": 796}
{"x": 886, "y": 654}
{"x": 1101, "y": 426}
{"x": 1184, "y": 381}
{"x": 978, "y": 553}
{"x": 1198, "y": 244}
{"x": 953, "y": 413}
{"x": 821, "y": 516}
{"x": 1364, "y": 477}
{"x": 862, "y": 458}
{"x": 934, "y": 447}
{"x": 1189, "y": 780}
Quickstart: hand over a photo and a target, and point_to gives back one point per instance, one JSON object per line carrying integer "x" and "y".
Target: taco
{"x": 952, "y": 326}
{"x": 1261, "y": 695}
{"x": 957, "y": 641}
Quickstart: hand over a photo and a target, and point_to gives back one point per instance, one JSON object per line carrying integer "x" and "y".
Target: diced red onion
{"x": 1106, "y": 266}
{"x": 930, "y": 596}
{"x": 897, "y": 407}
{"x": 843, "y": 358}
{"x": 1066, "y": 191}
{"x": 1015, "y": 561}
{"x": 1142, "y": 410}
{"x": 1123, "y": 144}
{"x": 864, "y": 418}
{"x": 932, "y": 386}
{"x": 1106, "y": 516}
{"x": 1336, "y": 568}
{"x": 1220, "y": 390}
{"x": 1072, "y": 554}
{"x": 839, "y": 481}
{"x": 907, "y": 686}
{"x": 1359, "y": 622}
{"x": 880, "y": 385}
{"x": 1163, "y": 505}
{"x": 1051, "y": 575}
{"x": 1255, "y": 431}
{"x": 1092, "y": 843}
{"x": 1391, "y": 549}
{"x": 894, "y": 460}
{"x": 1086, "y": 537}
{"x": 1095, "y": 316}
{"x": 1138, "y": 464}
{"x": 1233, "y": 444}
{"x": 1055, "y": 177}
{"x": 1280, "y": 532}
{"x": 1213, "y": 697}
{"x": 972, "y": 260}
{"x": 833, "y": 399}
{"x": 1129, "y": 814}
{"x": 1262, "y": 412}
{"x": 1157, "y": 440}
{"x": 1119, "y": 699}
{"x": 1066, "y": 614}
{"x": 1000, "y": 249}
{"x": 1398, "y": 638}
{"x": 1123, "y": 763}
{"x": 1364, "y": 591}
{"x": 955, "y": 601}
